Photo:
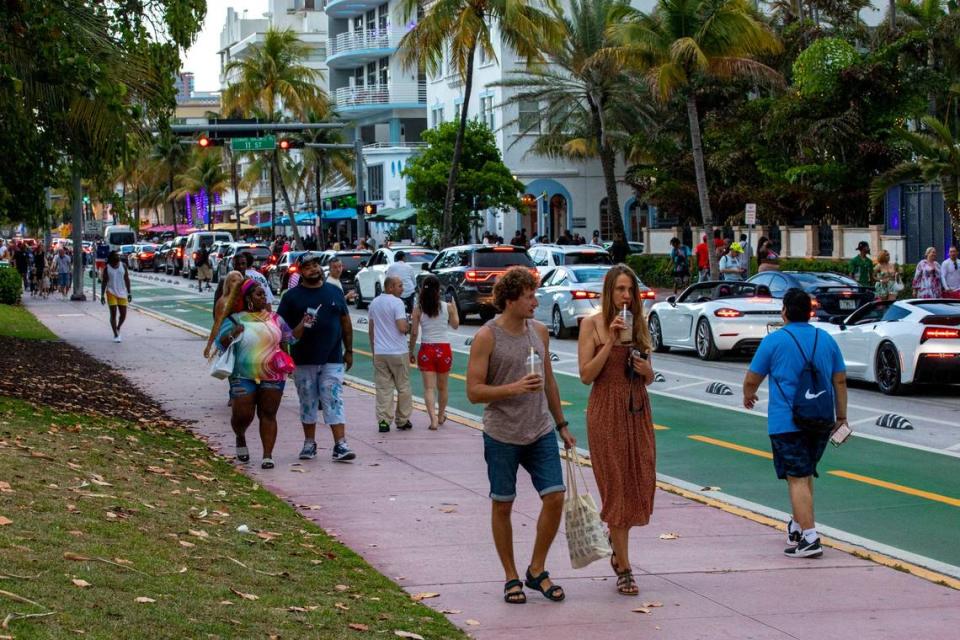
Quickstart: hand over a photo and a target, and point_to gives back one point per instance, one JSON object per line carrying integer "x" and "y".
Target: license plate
{"x": 848, "y": 304}
{"x": 773, "y": 326}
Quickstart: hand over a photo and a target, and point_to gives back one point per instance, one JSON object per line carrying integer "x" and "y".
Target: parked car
{"x": 278, "y": 275}
{"x": 467, "y": 274}
{"x": 160, "y": 256}
{"x": 126, "y": 251}
{"x": 569, "y": 294}
{"x": 548, "y": 256}
{"x": 369, "y": 279}
{"x": 259, "y": 251}
{"x": 217, "y": 249}
{"x": 352, "y": 261}
{"x": 174, "y": 263}
{"x": 192, "y": 248}
{"x": 142, "y": 257}
{"x": 895, "y": 344}
{"x": 635, "y": 247}
{"x": 714, "y": 317}
{"x": 833, "y": 294}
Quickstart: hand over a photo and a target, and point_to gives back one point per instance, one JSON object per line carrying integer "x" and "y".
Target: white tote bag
{"x": 222, "y": 367}
{"x": 586, "y": 539}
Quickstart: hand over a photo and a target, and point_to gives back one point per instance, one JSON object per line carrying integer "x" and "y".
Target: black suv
{"x": 174, "y": 259}
{"x": 467, "y": 274}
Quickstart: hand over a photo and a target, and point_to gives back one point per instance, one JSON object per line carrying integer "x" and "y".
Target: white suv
{"x": 370, "y": 278}
{"x": 194, "y": 242}
{"x": 548, "y": 256}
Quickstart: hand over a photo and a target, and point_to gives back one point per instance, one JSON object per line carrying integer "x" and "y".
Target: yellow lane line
{"x": 660, "y": 427}
{"x": 455, "y": 376}
{"x": 953, "y": 502}
{"x": 735, "y": 447}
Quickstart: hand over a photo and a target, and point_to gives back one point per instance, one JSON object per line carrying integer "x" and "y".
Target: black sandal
{"x": 536, "y": 583}
{"x": 514, "y": 597}
{"x": 627, "y": 584}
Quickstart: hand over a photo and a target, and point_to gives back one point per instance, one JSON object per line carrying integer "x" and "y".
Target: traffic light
{"x": 285, "y": 144}
{"x": 370, "y": 209}
{"x": 205, "y": 141}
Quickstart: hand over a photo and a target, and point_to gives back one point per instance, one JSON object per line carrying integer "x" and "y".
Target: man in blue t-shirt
{"x": 318, "y": 356}
{"x": 796, "y": 452}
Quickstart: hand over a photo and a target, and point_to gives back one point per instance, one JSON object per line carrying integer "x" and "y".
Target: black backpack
{"x": 813, "y": 402}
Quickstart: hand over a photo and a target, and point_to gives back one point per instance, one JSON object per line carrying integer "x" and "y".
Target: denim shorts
{"x": 320, "y": 387}
{"x": 63, "y": 279}
{"x": 796, "y": 453}
{"x": 541, "y": 459}
{"x": 240, "y": 387}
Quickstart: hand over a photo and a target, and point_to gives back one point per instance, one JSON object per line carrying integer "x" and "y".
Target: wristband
{"x": 561, "y": 425}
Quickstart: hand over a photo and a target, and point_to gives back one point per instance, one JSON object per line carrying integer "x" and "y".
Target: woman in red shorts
{"x": 433, "y": 315}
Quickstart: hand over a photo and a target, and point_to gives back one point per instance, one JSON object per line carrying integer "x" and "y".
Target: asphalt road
{"x": 894, "y": 490}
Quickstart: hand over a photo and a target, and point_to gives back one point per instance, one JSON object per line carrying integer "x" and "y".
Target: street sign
{"x": 266, "y": 143}
{"x": 751, "y": 213}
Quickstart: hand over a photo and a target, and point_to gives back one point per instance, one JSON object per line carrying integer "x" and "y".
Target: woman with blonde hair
{"x": 926, "y": 280}
{"x": 885, "y": 275}
{"x": 223, "y": 307}
{"x": 614, "y": 352}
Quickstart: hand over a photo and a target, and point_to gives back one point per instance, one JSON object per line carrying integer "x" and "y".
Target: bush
{"x": 11, "y": 286}
{"x": 653, "y": 270}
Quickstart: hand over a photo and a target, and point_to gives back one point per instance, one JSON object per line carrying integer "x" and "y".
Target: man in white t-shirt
{"x": 333, "y": 277}
{"x": 404, "y": 272}
{"x": 388, "y": 328}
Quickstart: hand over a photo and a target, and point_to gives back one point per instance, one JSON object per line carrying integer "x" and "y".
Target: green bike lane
{"x": 901, "y": 497}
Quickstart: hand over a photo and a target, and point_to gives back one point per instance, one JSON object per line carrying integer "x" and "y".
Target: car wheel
{"x": 360, "y": 302}
{"x": 887, "y": 370}
{"x": 706, "y": 348}
{"x": 559, "y": 331}
{"x": 377, "y": 290}
{"x": 656, "y": 335}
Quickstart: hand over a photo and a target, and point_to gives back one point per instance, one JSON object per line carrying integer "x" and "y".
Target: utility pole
{"x": 273, "y": 206}
{"x": 236, "y": 196}
{"x": 358, "y": 172}
{"x": 77, "y": 234}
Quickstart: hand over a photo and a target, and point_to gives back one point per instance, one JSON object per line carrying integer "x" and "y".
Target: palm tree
{"x": 921, "y": 19}
{"x": 685, "y": 41}
{"x": 463, "y": 26}
{"x": 205, "y": 173}
{"x": 936, "y": 158}
{"x": 324, "y": 165}
{"x": 584, "y": 91}
{"x": 274, "y": 80}
{"x": 168, "y": 159}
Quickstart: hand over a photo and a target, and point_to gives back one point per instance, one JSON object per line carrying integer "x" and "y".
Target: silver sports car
{"x": 896, "y": 344}
{"x": 568, "y": 294}
{"x": 714, "y": 317}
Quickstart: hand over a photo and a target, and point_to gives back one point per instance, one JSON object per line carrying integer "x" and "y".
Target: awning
{"x": 338, "y": 214}
{"x": 230, "y": 226}
{"x": 400, "y": 215}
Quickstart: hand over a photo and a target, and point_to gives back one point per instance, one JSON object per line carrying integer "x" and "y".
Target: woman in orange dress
{"x": 615, "y": 359}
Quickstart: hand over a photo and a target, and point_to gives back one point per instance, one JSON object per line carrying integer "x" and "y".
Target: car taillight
{"x": 584, "y": 295}
{"x": 195, "y": 254}
{"x": 727, "y": 313}
{"x": 472, "y": 276}
{"x": 648, "y": 295}
{"x": 179, "y": 253}
{"x": 939, "y": 333}
{"x": 293, "y": 269}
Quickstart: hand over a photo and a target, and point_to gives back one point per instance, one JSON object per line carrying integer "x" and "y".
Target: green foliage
{"x": 653, "y": 270}
{"x": 15, "y": 320}
{"x": 484, "y": 181}
{"x": 11, "y": 286}
{"x": 816, "y": 70}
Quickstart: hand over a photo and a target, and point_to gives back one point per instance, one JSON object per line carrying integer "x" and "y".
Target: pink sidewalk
{"x": 414, "y": 505}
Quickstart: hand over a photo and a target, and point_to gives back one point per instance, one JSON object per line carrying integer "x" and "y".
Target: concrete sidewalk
{"x": 415, "y": 505}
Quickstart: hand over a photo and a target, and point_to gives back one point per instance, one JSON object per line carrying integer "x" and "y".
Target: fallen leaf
{"x": 472, "y": 622}
{"x": 122, "y": 561}
{"x": 408, "y": 634}
{"x": 98, "y": 480}
{"x": 341, "y": 606}
{"x": 184, "y": 543}
{"x": 653, "y": 604}
{"x": 83, "y": 584}
{"x": 69, "y": 555}
{"x": 341, "y": 587}
{"x": 5, "y": 521}
{"x": 417, "y": 597}
{"x": 447, "y": 510}
{"x": 227, "y": 603}
{"x": 640, "y": 610}
{"x": 451, "y": 611}
{"x": 356, "y": 626}
{"x": 143, "y": 600}
{"x": 299, "y": 470}
{"x": 245, "y": 596}
{"x": 710, "y": 489}
{"x": 297, "y": 609}
{"x": 669, "y": 536}
{"x": 5, "y": 487}
{"x": 267, "y": 535}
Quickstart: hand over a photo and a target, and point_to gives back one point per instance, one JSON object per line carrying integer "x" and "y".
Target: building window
{"x": 606, "y": 220}
{"x": 528, "y": 118}
{"x": 375, "y": 183}
{"x": 482, "y": 54}
{"x": 384, "y": 71}
{"x": 383, "y": 16}
{"x": 436, "y": 115}
{"x": 371, "y": 74}
{"x": 486, "y": 112}
{"x": 358, "y": 77}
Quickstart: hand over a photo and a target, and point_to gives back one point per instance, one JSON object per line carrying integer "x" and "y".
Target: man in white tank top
{"x": 523, "y": 410}
{"x": 115, "y": 292}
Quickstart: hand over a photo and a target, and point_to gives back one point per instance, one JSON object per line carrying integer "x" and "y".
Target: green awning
{"x": 400, "y": 215}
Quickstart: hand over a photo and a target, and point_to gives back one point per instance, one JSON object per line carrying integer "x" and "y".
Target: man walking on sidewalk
{"x": 115, "y": 292}
{"x": 320, "y": 362}
{"x": 784, "y": 355}
{"x": 63, "y": 263}
{"x": 509, "y": 371}
{"x": 388, "y": 325}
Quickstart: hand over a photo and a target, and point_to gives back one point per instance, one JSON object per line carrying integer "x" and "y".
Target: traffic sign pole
{"x": 750, "y": 218}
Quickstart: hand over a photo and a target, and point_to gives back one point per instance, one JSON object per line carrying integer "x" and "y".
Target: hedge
{"x": 656, "y": 270}
{"x": 11, "y": 286}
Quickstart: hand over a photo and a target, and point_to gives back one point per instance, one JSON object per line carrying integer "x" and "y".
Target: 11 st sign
{"x": 265, "y": 143}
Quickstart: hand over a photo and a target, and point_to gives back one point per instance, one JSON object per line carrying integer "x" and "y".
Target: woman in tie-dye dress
{"x": 260, "y": 368}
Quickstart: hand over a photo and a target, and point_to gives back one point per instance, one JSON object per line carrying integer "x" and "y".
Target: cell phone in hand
{"x": 840, "y": 434}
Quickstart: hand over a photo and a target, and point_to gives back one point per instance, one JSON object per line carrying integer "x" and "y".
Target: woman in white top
{"x": 115, "y": 292}
{"x": 435, "y": 358}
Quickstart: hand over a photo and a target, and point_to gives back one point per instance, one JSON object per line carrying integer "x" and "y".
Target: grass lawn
{"x": 122, "y": 532}
{"x": 17, "y": 322}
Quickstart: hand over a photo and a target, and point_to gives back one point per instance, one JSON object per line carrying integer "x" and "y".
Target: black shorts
{"x": 797, "y": 453}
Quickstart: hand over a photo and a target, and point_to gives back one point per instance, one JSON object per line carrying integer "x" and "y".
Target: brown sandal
{"x": 626, "y": 584}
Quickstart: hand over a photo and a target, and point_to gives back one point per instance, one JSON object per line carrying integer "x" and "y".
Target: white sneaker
{"x": 117, "y": 338}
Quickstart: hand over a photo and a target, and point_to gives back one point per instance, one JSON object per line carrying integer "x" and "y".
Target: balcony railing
{"x": 406, "y": 93}
{"x": 365, "y": 39}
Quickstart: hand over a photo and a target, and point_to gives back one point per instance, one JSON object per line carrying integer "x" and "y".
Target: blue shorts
{"x": 320, "y": 387}
{"x": 240, "y": 387}
{"x": 796, "y": 453}
{"x": 63, "y": 279}
{"x": 541, "y": 459}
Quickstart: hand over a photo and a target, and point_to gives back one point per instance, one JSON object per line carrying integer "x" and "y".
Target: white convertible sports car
{"x": 895, "y": 344}
{"x": 714, "y": 317}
